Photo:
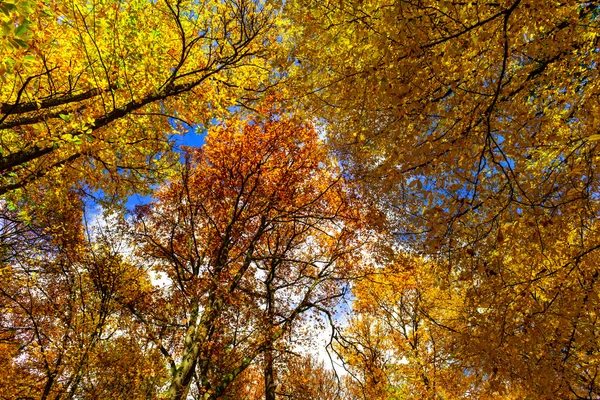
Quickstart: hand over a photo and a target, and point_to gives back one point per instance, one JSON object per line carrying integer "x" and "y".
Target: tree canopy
{"x": 473, "y": 127}
{"x": 417, "y": 176}
{"x": 91, "y": 92}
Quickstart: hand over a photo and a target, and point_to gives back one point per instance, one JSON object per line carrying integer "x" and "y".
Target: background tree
{"x": 418, "y": 328}
{"x": 298, "y": 377}
{"x": 64, "y": 336}
{"x": 401, "y": 340}
{"x": 304, "y": 377}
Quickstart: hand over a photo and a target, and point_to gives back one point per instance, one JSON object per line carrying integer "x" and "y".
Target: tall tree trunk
{"x": 269, "y": 371}
{"x": 269, "y": 376}
{"x": 195, "y": 335}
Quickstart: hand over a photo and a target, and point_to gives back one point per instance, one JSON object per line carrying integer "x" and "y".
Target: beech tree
{"x": 473, "y": 127}
{"x": 256, "y": 230}
{"x": 92, "y": 91}
{"x": 63, "y": 334}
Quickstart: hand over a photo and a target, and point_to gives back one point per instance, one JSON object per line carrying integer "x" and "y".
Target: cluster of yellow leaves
{"x": 92, "y": 92}
{"x": 15, "y": 34}
{"x": 519, "y": 323}
{"x": 458, "y": 114}
{"x": 474, "y": 128}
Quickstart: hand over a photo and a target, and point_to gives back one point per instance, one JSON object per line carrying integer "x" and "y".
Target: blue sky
{"x": 192, "y": 138}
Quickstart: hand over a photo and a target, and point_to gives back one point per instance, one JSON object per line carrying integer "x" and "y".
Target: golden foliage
{"x": 255, "y": 231}
{"x": 91, "y": 92}
{"x": 474, "y": 128}
{"x": 470, "y": 129}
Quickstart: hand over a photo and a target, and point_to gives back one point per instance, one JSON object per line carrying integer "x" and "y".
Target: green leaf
{"x": 13, "y": 43}
{"x": 21, "y": 43}
{"x": 4, "y": 10}
{"x": 22, "y": 29}
{"x": 8, "y": 7}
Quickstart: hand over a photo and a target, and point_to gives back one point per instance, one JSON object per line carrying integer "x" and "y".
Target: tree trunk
{"x": 269, "y": 372}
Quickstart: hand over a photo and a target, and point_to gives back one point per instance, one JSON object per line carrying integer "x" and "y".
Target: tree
{"x": 257, "y": 229}
{"x": 92, "y": 91}
{"x": 490, "y": 332}
{"x": 457, "y": 105}
{"x": 473, "y": 127}
{"x": 306, "y": 378}
{"x": 62, "y": 332}
{"x": 298, "y": 377}
{"x": 402, "y": 339}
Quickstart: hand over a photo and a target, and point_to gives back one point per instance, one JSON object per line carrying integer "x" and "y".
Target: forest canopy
{"x": 414, "y": 180}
